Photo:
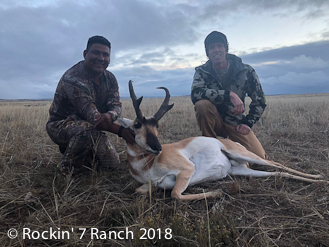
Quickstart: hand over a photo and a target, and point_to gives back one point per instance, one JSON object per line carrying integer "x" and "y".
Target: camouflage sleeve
{"x": 113, "y": 103}
{"x": 256, "y": 93}
{"x": 79, "y": 96}
{"x": 204, "y": 89}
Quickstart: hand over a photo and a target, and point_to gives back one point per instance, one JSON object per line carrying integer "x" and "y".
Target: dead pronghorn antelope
{"x": 191, "y": 161}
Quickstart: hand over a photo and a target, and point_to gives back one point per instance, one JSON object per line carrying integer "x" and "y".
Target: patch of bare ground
{"x": 294, "y": 130}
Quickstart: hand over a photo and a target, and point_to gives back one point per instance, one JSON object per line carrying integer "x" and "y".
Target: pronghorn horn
{"x": 136, "y": 102}
{"x": 164, "y": 107}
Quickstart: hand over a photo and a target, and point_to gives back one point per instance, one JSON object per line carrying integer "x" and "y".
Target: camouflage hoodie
{"x": 77, "y": 95}
{"x": 241, "y": 79}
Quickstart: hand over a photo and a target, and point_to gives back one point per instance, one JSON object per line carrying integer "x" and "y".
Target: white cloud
{"x": 314, "y": 78}
{"x": 303, "y": 61}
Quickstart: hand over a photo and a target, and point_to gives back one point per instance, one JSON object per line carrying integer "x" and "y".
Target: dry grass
{"x": 294, "y": 130}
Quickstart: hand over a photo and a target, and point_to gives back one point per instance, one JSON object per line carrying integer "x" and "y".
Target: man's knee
{"x": 205, "y": 109}
{"x": 203, "y": 106}
{"x": 85, "y": 138}
{"x": 106, "y": 153}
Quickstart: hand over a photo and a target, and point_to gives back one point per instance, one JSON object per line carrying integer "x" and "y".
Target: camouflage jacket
{"x": 241, "y": 79}
{"x": 77, "y": 94}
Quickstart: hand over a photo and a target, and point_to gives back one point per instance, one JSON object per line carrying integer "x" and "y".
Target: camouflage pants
{"x": 79, "y": 142}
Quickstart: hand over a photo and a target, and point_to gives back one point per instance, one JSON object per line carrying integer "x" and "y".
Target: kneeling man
{"x": 85, "y": 104}
{"x": 218, "y": 92}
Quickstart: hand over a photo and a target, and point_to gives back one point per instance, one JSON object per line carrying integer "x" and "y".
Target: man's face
{"x": 97, "y": 58}
{"x": 217, "y": 52}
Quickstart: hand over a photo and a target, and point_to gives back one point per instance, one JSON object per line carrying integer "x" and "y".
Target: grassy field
{"x": 294, "y": 130}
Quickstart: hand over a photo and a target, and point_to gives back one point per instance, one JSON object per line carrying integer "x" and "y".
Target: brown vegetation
{"x": 294, "y": 130}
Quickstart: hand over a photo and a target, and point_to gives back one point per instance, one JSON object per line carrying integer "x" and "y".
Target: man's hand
{"x": 128, "y": 135}
{"x": 103, "y": 122}
{"x": 237, "y": 103}
{"x": 243, "y": 129}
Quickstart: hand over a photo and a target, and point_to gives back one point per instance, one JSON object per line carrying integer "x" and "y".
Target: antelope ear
{"x": 125, "y": 122}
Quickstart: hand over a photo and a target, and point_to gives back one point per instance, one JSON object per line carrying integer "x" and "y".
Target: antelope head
{"x": 146, "y": 128}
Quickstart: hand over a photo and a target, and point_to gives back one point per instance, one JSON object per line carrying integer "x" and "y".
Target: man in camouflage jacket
{"x": 218, "y": 92}
{"x": 85, "y": 104}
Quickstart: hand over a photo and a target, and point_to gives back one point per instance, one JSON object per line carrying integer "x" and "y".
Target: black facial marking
{"x": 152, "y": 141}
{"x": 151, "y": 122}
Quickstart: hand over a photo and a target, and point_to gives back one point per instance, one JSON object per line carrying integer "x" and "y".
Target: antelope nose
{"x": 157, "y": 148}
{"x": 158, "y": 151}
{"x": 153, "y": 143}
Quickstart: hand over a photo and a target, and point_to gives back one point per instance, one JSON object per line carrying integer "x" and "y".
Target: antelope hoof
{"x": 215, "y": 193}
{"x": 144, "y": 189}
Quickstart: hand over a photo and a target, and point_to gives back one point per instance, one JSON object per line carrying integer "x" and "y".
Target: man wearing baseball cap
{"x": 218, "y": 93}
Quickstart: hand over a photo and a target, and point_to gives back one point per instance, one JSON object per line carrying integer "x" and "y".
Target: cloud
{"x": 154, "y": 42}
{"x": 40, "y": 40}
{"x": 309, "y": 9}
{"x": 305, "y": 58}
{"x": 293, "y": 70}
{"x": 316, "y": 49}
{"x": 315, "y": 78}
{"x": 178, "y": 81}
{"x": 308, "y": 62}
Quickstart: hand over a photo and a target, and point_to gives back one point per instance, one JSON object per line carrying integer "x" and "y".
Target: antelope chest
{"x": 148, "y": 169}
{"x": 141, "y": 167}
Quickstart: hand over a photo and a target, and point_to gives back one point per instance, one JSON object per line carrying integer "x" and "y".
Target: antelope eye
{"x": 137, "y": 125}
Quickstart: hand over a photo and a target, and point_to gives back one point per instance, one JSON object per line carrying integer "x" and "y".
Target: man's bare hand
{"x": 104, "y": 121}
{"x": 243, "y": 129}
{"x": 237, "y": 103}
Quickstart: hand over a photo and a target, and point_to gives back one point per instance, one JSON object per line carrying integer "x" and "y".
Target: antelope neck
{"x": 134, "y": 157}
{"x": 137, "y": 153}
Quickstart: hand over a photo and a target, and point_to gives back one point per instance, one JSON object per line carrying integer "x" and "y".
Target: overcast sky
{"x": 159, "y": 43}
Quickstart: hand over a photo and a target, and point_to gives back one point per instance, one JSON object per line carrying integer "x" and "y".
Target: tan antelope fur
{"x": 191, "y": 161}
